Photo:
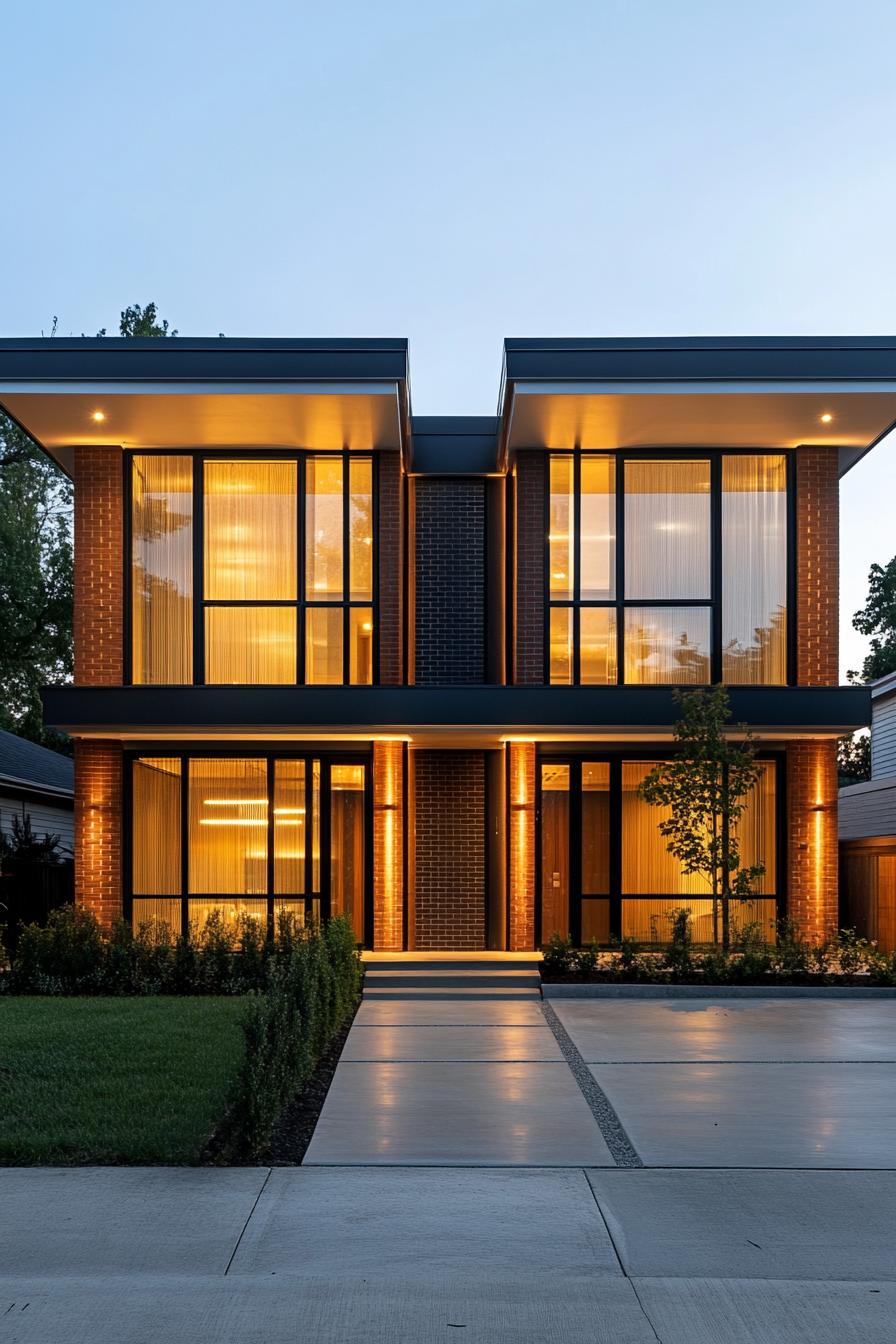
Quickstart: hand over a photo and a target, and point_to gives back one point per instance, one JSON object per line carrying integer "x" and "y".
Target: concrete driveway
{"x": 418, "y": 1217}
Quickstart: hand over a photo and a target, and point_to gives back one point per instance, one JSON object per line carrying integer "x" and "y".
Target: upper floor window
{"x": 667, "y": 570}
{"x": 252, "y": 570}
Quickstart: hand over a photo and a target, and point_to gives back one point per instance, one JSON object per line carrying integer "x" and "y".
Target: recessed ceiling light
{"x": 98, "y": 416}
{"x": 826, "y": 418}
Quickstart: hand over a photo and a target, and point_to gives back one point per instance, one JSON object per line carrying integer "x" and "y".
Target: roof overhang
{"x": 224, "y": 393}
{"x": 699, "y": 393}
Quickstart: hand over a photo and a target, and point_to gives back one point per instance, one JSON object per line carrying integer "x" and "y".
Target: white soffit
{"x": 320, "y": 417}
{"x": 661, "y": 415}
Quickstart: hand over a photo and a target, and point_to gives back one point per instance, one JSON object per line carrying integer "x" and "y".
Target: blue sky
{"x": 457, "y": 172}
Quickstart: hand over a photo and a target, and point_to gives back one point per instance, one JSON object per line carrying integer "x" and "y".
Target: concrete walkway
{"x": 419, "y": 1218}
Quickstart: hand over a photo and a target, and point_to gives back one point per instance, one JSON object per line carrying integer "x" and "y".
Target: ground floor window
{"x": 604, "y": 867}
{"x": 249, "y": 835}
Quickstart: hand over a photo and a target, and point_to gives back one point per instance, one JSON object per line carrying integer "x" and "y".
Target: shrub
{"x": 678, "y": 957}
{"x": 558, "y": 955}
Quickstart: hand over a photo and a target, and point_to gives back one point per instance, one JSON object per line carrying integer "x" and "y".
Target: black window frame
{"x": 577, "y": 755}
{"x": 300, "y": 604}
{"x": 328, "y": 753}
{"x": 619, "y": 603}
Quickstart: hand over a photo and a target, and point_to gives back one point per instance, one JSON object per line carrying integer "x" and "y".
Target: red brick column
{"x": 528, "y": 581}
{"x": 99, "y": 562}
{"x": 388, "y": 846}
{"x": 812, "y": 836}
{"x": 817, "y": 566}
{"x": 521, "y": 896}
{"x": 390, "y": 527}
{"x": 98, "y": 822}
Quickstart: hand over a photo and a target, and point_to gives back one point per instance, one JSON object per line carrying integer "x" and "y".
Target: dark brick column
{"x": 529, "y": 542}
{"x": 449, "y": 850}
{"x": 449, "y": 565}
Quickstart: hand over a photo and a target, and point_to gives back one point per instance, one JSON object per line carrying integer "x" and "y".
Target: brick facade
{"x": 817, "y": 567}
{"x": 449, "y": 850}
{"x": 98, "y": 818}
{"x": 449, "y": 570}
{"x": 390, "y": 528}
{"x": 812, "y": 891}
{"x": 521, "y": 756}
{"x": 99, "y": 566}
{"x": 528, "y": 545}
{"x": 388, "y": 846}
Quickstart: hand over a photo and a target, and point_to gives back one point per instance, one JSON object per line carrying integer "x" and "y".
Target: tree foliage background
{"x": 36, "y": 565}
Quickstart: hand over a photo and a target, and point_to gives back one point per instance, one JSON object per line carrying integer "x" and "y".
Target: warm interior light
{"x": 230, "y": 821}
{"x": 366, "y": 626}
{"x": 98, "y": 416}
{"x": 826, "y": 418}
{"x": 235, "y": 802}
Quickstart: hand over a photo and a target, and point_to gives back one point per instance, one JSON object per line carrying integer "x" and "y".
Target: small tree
{"x": 877, "y": 620}
{"x": 705, "y": 788}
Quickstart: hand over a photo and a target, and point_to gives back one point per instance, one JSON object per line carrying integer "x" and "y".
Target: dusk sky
{"x": 460, "y": 172}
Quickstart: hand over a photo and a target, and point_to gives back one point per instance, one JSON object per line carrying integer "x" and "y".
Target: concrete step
{"x": 381, "y": 961}
{"x": 444, "y": 978}
{"x": 414, "y": 993}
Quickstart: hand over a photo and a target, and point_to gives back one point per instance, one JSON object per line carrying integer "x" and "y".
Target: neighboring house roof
{"x": 26, "y": 766}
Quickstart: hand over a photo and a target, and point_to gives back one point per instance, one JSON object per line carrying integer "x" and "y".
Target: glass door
{"x": 348, "y": 844}
{"x": 574, "y": 850}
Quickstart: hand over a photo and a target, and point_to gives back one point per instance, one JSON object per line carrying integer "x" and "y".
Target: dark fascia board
{"x": 504, "y": 709}
{"x": 201, "y": 359}
{"x": 454, "y": 445}
{"x": 736, "y": 359}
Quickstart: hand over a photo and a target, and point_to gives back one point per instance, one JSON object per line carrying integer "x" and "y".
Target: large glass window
{"x": 604, "y": 867}
{"x": 248, "y": 835}
{"x": 162, "y": 569}
{"x": 284, "y": 581}
{"x": 754, "y": 570}
{"x": 653, "y": 603}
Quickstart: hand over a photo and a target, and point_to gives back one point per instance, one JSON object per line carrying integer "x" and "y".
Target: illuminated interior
{"x": 577, "y": 845}
{"x": 681, "y": 615}
{"x": 280, "y": 603}
{"x": 252, "y": 830}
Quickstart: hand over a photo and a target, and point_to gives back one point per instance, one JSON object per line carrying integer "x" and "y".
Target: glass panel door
{"x": 554, "y": 850}
{"x": 347, "y": 844}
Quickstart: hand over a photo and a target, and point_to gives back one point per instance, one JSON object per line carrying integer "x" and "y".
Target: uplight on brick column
{"x": 388, "y": 846}
{"x": 521, "y": 795}
{"x": 98, "y": 779}
{"x": 812, "y": 836}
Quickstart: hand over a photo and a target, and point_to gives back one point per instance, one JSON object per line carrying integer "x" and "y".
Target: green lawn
{"x": 114, "y": 1080}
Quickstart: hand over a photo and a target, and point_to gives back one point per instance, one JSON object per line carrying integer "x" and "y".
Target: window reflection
{"x": 162, "y": 569}
{"x": 754, "y": 569}
{"x": 667, "y": 646}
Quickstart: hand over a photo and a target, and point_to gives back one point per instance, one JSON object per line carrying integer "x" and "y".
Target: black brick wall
{"x": 449, "y": 556}
{"x": 449, "y": 850}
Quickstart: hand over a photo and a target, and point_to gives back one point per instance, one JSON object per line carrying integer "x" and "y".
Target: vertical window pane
{"x": 315, "y": 827}
{"x": 561, "y": 646}
{"x": 754, "y": 570}
{"x": 323, "y": 646}
{"x": 323, "y": 528}
{"x": 667, "y": 646}
{"x": 597, "y": 546}
{"x": 250, "y": 531}
{"x": 155, "y": 786}
{"x": 647, "y": 865}
{"x": 650, "y": 921}
{"x": 230, "y": 911}
{"x": 554, "y": 850}
{"x": 250, "y": 646}
{"x": 595, "y": 829}
{"x": 360, "y": 529}
{"x": 156, "y": 913}
{"x": 162, "y": 570}
{"x": 361, "y": 646}
{"x": 597, "y": 646}
{"x": 347, "y": 845}
{"x": 228, "y": 827}
{"x": 756, "y": 829}
{"x": 667, "y": 529}
{"x": 595, "y": 922}
{"x": 289, "y": 828}
{"x": 560, "y": 538}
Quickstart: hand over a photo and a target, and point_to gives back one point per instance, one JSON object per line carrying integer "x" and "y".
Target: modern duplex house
{"x": 333, "y": 657}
